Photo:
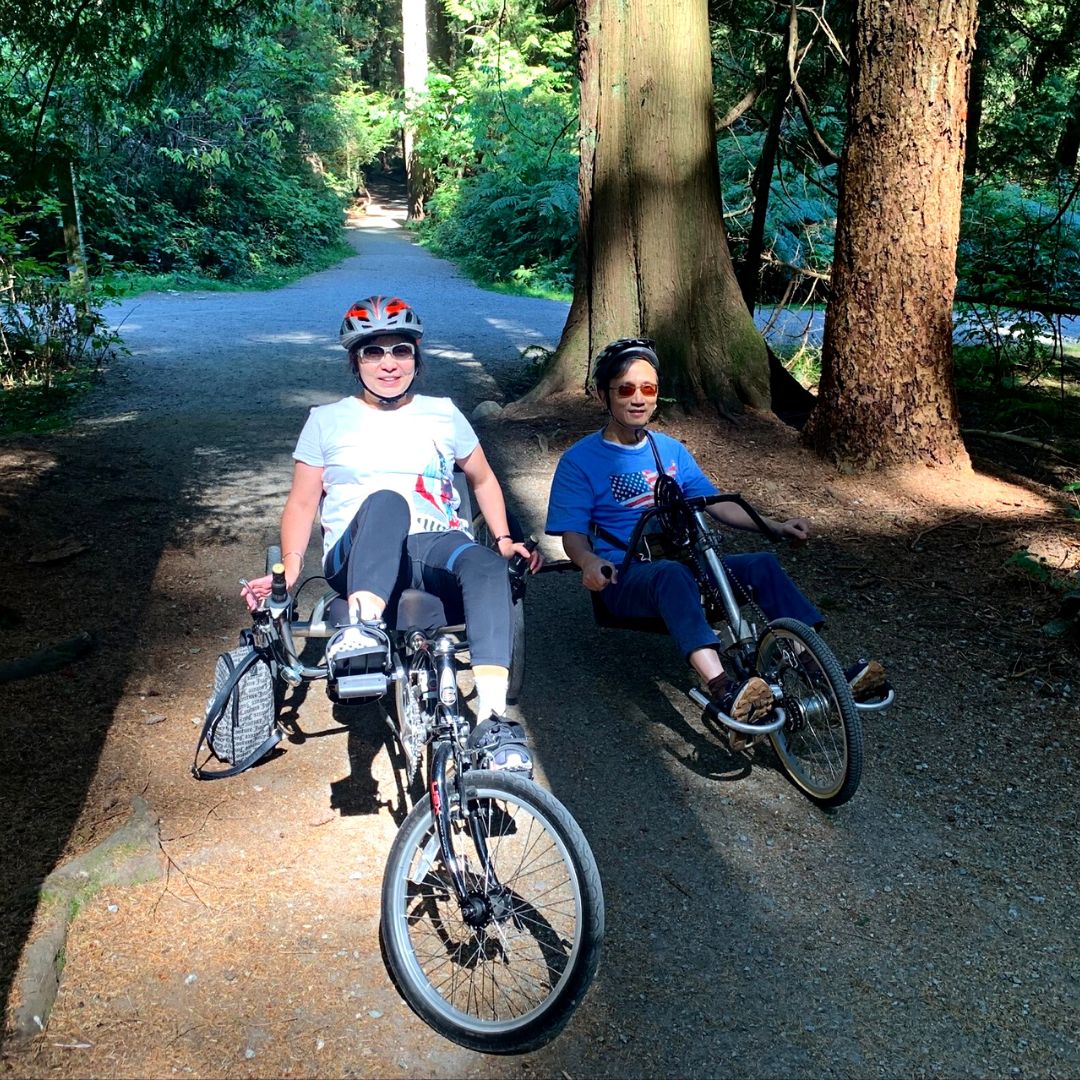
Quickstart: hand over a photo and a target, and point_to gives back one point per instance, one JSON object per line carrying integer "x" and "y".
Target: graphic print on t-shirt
{"x": 634, "y": 490}
{"x": 434, "y": 498}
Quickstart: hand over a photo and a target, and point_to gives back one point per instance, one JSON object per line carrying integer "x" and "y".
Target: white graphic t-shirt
{"x": 410, "y": 450}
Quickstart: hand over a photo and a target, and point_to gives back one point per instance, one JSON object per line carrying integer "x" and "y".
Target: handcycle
{"x": 815, "y": 726}
{"x": 492, "y": 908}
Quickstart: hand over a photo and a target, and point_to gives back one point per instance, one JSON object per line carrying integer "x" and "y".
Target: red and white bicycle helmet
{"x": 379, "y": 315}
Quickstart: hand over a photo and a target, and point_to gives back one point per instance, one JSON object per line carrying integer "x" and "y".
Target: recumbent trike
{"x": 492, "y": 908}
{"x": 814, "y": 727}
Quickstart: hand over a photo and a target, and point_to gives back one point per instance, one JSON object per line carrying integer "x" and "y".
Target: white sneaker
{"x": 352, "y": 639}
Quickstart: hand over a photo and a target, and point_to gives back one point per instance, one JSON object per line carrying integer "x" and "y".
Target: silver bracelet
{"x": 300, "y": 553}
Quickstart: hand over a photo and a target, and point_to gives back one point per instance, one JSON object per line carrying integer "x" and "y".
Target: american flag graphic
{"x": 634, "y": 490}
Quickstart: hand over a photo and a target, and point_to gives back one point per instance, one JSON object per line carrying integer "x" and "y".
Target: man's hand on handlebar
{"x": 598, "y": 574}
{"x": 797, "y": 530}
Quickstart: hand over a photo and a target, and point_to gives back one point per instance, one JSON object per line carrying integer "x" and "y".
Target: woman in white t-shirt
{"x": 379, "y": 466}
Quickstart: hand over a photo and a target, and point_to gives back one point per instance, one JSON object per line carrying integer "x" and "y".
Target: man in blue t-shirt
{"x": 604, "y": 483}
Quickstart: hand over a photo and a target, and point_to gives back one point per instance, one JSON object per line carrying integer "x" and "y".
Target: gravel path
{"x": 928, "y": 928}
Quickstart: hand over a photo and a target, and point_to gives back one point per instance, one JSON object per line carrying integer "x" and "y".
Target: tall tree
{"x": 414, "y": 48}
{"x": 652, "y": 256}
{"x": 887, "y": 393}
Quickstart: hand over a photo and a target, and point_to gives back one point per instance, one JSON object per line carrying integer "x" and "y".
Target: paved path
{"x": 926, "y": 929}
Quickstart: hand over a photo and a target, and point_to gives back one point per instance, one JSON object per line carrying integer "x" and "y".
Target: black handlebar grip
{"x": 278, "y": 593}
{"x": 519, "y": 563}
{"x": 606, "y": 571}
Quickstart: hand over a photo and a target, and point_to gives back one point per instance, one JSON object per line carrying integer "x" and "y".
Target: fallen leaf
{"x": 323, "y": 819}
{"x": 155, "y": 719}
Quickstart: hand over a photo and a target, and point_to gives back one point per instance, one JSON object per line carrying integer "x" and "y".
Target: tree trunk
{"x": 414, "y": 49}
{"x": 441, "y": 42}
{"x": 887, "y": 393}
{"x": 761, "y": 182}
{"x": 980, "y": 64}
{"x": 653, "y": 258}
{"x": 1068, "y": 146}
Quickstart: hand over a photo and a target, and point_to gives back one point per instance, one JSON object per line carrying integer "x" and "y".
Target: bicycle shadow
{"x": 708, "y": 756}
{"x": 371, "y": 730}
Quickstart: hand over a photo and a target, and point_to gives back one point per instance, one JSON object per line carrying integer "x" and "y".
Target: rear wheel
{"x": 505, "y": 976}
{"x": 821, "y": 744}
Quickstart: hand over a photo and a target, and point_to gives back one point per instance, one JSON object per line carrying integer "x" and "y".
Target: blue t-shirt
{"x": 612, "y": 485}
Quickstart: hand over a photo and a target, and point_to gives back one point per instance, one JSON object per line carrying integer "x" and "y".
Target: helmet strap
{"x": 386, "y": 402}
{"x": 641, "y": 432}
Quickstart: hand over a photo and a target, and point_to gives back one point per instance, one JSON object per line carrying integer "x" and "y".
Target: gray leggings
{"x": 376, "y": 554}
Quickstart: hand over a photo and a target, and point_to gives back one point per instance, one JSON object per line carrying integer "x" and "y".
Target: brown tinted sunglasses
{"x": 628, "y": 390}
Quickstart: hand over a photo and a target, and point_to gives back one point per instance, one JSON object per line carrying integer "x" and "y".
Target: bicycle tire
{"x": 821, "y": 745}
{"x": 517, "y": 654}
{"x": 512, "y": 985}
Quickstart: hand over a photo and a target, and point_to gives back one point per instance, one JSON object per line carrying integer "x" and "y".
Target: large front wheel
{"x": 821, "y": 745}
{"x": 506, "y": 978}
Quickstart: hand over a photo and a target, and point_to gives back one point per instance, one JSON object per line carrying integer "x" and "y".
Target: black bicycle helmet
{"x": 615, "y": 358}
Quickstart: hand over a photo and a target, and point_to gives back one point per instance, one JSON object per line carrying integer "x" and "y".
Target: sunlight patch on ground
{"x": 447, "y": 353}
{"x": 101, "y": 421}
{"x": 296, "y": 337}
{"x": 308, "y": 398}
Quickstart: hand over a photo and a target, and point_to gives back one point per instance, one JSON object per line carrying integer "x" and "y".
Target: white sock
{"x": 491, "y": 695}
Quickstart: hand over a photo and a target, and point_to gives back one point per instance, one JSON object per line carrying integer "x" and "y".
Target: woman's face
{"x": 385, "y": 375}
{"x": 628, "y": 402}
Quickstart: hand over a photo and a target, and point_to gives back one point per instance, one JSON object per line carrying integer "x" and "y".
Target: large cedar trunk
{"x": 653, "y": 256}
{"x": 887, "y": 392}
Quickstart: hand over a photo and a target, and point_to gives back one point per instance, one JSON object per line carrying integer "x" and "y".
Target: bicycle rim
{"x": 821, "y": 745}
{"x": 512, "y": 983}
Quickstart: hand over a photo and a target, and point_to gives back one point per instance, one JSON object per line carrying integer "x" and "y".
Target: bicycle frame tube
{"x": 707, "y": 552}
{"x": 440, "y": 811}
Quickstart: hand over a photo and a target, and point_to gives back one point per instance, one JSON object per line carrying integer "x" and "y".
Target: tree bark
{"x": 414, "y": 49}
{"x": 887, "y": 394}
{"x": 653, "y": 258}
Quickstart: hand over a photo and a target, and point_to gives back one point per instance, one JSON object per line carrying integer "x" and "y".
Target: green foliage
{"x": 218, "y": 140}
{"x": 497, "y": 137}
{"x": 800, "y": 225}
{"x": 51, "y": 332}
{"x": 1020, "y": 244}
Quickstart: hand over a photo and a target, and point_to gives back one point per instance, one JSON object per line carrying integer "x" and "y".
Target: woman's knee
{"x": 390, "y": 508}
{"x": 480, "y": 563}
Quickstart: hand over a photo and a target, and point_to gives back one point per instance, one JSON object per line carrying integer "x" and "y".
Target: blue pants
{"x": 668, "y": 589}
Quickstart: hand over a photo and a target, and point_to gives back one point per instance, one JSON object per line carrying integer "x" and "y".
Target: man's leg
{"x": 668, "y": 589}
{"x": 776, "y": 594}
{"x": 780, "y": 598}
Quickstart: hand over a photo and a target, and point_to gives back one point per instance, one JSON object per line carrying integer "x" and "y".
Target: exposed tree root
{"x": 52, "y": 658}
{"x": 129, "y": 856}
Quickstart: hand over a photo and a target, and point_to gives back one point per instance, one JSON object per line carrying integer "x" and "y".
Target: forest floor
{"x": 926, "y": 928}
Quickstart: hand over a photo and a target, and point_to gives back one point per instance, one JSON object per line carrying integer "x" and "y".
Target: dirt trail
{"x": 927, "y": 928}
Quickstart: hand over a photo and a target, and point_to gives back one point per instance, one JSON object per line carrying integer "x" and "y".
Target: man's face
{"x": 632, "y": 395}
